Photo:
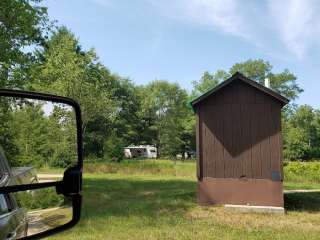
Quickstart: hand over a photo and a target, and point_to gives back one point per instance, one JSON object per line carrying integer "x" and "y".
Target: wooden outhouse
{"x": 239, "y": 144}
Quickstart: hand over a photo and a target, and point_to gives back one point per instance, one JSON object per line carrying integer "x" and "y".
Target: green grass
{"x": 144, "y": 201}
{"x": 144, "y": 167}
{"x": 301, "y": 185}
{"x": 297, "y": 175}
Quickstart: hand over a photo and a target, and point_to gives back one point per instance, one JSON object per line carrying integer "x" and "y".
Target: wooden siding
{"x": 256, "y": 192}
{"x": 239, "y": 134}
{"x": 199, "y": 164}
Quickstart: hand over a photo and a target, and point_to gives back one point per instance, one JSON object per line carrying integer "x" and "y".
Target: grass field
{"x": 157, "y": 200}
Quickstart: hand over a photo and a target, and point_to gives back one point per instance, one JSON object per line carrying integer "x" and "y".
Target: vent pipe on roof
{"x": 267, "y": 82}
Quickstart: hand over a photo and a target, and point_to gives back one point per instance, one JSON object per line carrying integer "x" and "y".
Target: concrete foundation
{"x": 254, "y": 209}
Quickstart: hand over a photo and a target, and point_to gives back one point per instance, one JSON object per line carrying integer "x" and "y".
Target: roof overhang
{"x": 239, "y": 76}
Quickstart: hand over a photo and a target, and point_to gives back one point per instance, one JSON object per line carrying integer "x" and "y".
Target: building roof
{"x": 239, "y": 76}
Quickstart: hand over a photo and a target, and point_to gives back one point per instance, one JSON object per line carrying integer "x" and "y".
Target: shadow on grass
{"x": 121, "y": 197}
{"x": 307, "y": 201}
{"x": 105, "y": 197}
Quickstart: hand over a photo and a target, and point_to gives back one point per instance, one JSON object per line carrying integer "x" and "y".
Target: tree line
{"x": 38, "y": 138}
{"x": 38, "y": 55}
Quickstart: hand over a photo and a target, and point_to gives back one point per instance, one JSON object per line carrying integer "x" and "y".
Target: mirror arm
{"x": 71, "y": 183}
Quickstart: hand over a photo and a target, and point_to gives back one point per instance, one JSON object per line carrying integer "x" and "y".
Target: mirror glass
{"x": 30, "y": 212}
{"x": 38, "y": 140}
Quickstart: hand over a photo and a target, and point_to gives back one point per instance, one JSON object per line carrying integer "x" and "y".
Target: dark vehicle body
{"x": 13, "y": 218}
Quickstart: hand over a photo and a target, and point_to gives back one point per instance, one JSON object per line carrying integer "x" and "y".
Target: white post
{"x": 267, "y": 82}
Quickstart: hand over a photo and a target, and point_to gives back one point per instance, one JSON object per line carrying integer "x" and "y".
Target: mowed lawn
{"x": 157, "y": 200}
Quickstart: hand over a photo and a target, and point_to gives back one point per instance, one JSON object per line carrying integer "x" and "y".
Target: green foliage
{"x": 39, "y": 199}
{"x": 257, "y": 70}
{"x": 6, "y": 135}
{"x": 164, "y": 112}
{"x": 109, "y": 103}
{"x": 23, "y": 23}
{"x": 30, "y": 130}
{"x": 208, "y": 82}
{"x": 66, "y": 70}
{"x": 61, "y": 138}
{"x": 128, "y": 123}
{"x": 296, "y": 144}
{"x": 302, "y": 172}
{"x": 301, "y": 131}
{"x": 39, "y": 139}
{"x": 113, "y": 149}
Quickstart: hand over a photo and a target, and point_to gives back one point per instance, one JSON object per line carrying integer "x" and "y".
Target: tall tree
{"x": 30, "y": 129}
{"x": 304, "y": 118}
{"x": 24, "y": 25}
{"x": 208, "y": 81}
{"x": 109, "y": 102}
{"x": 61, "y": 140}
{"x": 257, "y": 70}
{"x": 127, "y": 123}
{"x": 296, "y": 145}
{"x": 6, "y": 135}
{"x": 301, "y": 135}
{"x": 164, "y": 107}
{"x": 65, "y": 69}
{"x": 283, "y": 82}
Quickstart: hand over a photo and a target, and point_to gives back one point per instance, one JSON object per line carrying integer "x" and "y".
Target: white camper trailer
{"x": 144, "y": 151}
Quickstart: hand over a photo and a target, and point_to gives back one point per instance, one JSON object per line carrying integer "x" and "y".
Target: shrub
{"x": 113, "y": 149}
{"x": 40, "y": 199}
{"x": 302, "y": 171}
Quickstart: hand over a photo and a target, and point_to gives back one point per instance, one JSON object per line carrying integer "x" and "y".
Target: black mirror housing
{"x": 71, "y": 184}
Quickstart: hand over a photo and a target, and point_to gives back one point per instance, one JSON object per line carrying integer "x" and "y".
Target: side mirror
{"x": 40, "y": 164}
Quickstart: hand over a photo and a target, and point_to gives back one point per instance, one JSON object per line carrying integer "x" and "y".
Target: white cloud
{"x": 294, "y": 22}
{"x": 222, "y": 14}
{"x": 219, "y": 14}
{"x": 297, "y": 23}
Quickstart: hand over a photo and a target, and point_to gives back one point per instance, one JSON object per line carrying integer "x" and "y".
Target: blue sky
{"x": 177, "y": 40}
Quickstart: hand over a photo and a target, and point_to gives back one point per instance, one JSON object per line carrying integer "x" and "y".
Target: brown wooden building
{"x": 239, "y": 144}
